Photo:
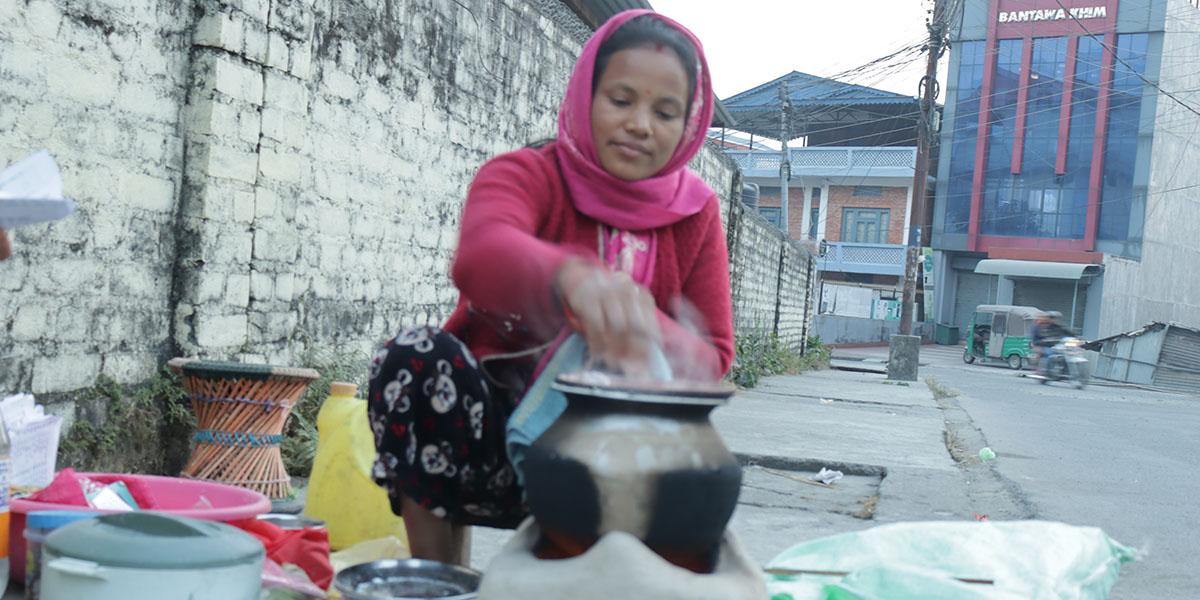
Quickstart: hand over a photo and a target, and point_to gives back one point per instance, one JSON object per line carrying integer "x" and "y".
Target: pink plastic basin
{"x": 177, "y": 496}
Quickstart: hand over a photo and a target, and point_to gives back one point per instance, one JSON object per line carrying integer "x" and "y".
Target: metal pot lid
{"x": 617, "y": 387}
{"x": 410, "y": 579}
{"x": 150, "y": 540}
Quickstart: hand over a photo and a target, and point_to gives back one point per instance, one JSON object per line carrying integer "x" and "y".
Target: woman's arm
{"x": 500, "y": 263}
{"x": 698, "y": 338}
{"x": 5, "y": 249}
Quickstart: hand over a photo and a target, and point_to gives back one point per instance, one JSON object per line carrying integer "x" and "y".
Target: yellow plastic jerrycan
{"x": 341, "y": 491}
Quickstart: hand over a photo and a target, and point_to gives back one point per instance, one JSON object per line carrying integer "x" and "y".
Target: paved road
{"x": 1118, "y": 458}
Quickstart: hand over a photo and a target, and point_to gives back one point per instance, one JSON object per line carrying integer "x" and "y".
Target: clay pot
{"x": 643, "y": 460}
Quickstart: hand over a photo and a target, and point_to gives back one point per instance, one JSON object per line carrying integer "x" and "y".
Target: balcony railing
{"x": 852, "y": 257}
{"x": 853, "y": 160}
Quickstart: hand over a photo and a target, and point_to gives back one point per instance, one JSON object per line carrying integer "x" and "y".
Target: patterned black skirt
{"x": 439, "y": 431}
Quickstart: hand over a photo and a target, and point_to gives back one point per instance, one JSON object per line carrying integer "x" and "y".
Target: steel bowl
{"x": 288, "y": 521}
{"x": 412, "y": 579}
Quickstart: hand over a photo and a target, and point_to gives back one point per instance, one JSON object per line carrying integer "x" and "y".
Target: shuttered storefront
{"x": 1179, "y": 364}
{"x": 973, "y": 289}
{"x": 1052, "y": 294}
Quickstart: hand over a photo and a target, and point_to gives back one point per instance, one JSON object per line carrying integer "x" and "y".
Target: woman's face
{"x": 638, "y": 111}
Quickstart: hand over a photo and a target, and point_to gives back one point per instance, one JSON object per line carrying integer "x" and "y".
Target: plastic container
{"x": 183, "y": 497}
{"x": 144, "y": 555}
{"x": 6, "y": 521}
{"x": 37, "y": 526}
{"x": 341, "y": 491}
{"x": 946, "y": 335}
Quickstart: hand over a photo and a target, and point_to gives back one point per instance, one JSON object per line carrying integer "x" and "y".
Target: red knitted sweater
{"x": 517, "y": 228}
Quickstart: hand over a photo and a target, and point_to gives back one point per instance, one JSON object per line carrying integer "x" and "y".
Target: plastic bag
{"x": 340, "y": 490}
{"x": 370, "y": 550}
{"x": 952, "y": 560}
{"x": 291, "y": 579}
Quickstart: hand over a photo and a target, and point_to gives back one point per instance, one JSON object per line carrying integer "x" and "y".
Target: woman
{"x": 603, "y": 231}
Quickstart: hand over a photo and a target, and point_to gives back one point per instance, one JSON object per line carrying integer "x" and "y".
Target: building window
{"x": 1121, "y": 142}
{"x": 813, "y": 217}
{"x": 1037, "y": 202}
{"x": 999, "y": 201}
{"x": 962, "y": 137}
{"x": 868, "y": 191}
{"x": 773, "y": 214}
{"x": 865, "y": 225}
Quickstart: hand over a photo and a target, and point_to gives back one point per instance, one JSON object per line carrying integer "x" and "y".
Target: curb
{"x": 788, "y": 463}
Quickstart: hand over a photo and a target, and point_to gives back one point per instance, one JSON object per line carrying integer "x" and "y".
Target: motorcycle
{"x": 1067, "y": 362}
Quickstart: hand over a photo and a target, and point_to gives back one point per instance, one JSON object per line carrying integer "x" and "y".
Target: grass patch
{"x": 150, "y": 428}
{"x": 867, "y": 510}
{"x": 760, "y": 354}
{"x": 955, "y": 446}
{"x": 939, "y": 391}
{"x": 145, "y": 430}
{"x": 335, "y": 363}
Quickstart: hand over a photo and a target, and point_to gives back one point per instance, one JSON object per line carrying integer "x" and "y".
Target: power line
{"x": 1023, "y": 215}
{"x": 990, "y": 52}
{"x": 960, "y": 118}
{"x": 1136, "y": 98}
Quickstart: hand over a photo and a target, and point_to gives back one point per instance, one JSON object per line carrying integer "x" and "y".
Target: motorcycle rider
{"x": 1046, "y": 334}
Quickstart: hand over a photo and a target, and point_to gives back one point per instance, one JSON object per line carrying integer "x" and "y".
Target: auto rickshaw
{"x": 1002, "y": 332}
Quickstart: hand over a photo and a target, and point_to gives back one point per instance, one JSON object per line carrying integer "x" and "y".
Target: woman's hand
{"x": 616, "y": 317}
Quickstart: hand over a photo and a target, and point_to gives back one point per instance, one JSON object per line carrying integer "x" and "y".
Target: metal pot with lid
{"x": 639, "y": 457}
{"x": 148, "y": 555}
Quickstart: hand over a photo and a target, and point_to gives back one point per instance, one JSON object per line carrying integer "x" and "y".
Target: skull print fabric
{"x": 439, "y": 431}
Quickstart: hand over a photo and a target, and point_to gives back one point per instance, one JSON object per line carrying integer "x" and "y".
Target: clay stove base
{"x": 617, "y": 566}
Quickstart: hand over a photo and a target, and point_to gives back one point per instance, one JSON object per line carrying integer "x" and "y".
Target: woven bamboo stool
{"x": 241, "y": 410}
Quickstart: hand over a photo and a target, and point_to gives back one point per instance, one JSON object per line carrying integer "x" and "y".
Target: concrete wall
{"x": 836, "y": 329}
{"x": 103, "y": 87}
{"x": 251, "y": 174}
{"x": 1159, "y": 286}
{"x": 772, "y": 278}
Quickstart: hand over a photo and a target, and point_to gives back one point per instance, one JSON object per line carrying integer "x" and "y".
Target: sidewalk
{"x": 887, "y": 439}
{"x": 850, "y": 421}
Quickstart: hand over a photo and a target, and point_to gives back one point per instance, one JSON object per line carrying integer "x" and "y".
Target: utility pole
{"x": 905, "y": 349}
{"x": 785, "y": 165}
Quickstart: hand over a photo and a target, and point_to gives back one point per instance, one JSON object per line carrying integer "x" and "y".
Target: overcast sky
{"x": 751, "y": 42}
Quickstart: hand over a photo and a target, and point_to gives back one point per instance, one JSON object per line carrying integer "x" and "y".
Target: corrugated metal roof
{"x": 804, "y": 89}
{"x": 1035, "y": 268}
{"x": 596, "y": 12}
{"x": 1162, "y": 355}
{"x": 1143, "y": 330}
{"x": 829, "y": 112}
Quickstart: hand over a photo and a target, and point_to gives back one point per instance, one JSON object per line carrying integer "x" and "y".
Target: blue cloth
{"x": 542, "y": 404}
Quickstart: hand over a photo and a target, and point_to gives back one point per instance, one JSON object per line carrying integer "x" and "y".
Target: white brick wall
{"x": 250, "y": 170}
{"x": 100, "y": 85}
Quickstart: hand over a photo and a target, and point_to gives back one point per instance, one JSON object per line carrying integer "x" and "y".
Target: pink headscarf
{"x": 673, "y": 193}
